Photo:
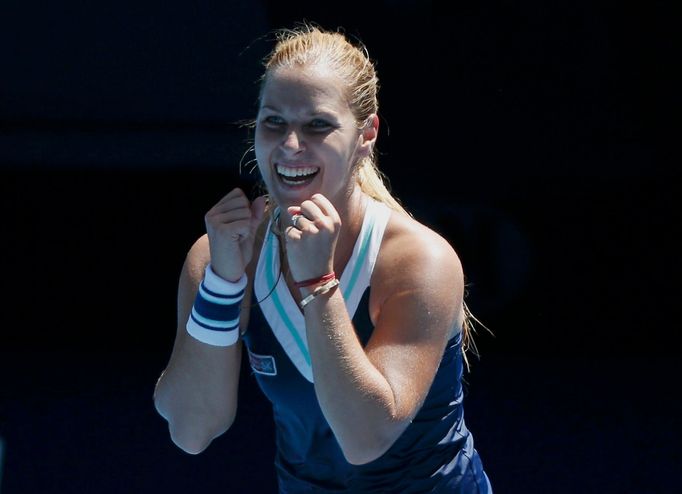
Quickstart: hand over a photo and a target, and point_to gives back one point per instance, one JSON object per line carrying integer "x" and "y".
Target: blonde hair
{"x": 308, "y": 45}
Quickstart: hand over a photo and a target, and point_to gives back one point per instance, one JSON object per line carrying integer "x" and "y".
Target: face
{"x": 307, "y": 139}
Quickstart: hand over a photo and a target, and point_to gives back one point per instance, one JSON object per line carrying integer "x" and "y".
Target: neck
{"x": 351, "y": 213}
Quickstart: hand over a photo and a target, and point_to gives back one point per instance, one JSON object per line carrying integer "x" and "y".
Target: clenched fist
{"x": 231, "y": 226}
{"x": 311, "y": 242}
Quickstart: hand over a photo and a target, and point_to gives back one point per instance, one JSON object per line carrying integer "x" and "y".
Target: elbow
{"x": 363, "y": 456}
{"x": 188, "y": 441}
{"x": 193, "y": 439}
{"x": 367, "y": 441}
{"x": 193, "y": 434}
{"x": 367, "y": 450}
{"x": 361, "y": 459}
{"x": 189, "y": 444}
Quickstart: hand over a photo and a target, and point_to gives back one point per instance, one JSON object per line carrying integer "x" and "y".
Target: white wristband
{"x": 214, "y": 319}
{"x": 222, "y": 286}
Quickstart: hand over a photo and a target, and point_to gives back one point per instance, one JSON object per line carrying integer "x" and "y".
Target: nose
{"x": 293, "y": 142}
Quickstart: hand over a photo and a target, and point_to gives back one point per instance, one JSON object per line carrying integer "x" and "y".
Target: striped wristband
{"x": 214, "y": 319}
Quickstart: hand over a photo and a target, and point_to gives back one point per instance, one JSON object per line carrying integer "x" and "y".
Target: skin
{"x": 368, "y": 395}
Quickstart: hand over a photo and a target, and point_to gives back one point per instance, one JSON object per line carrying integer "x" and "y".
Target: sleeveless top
{"x": 435, "y": 453}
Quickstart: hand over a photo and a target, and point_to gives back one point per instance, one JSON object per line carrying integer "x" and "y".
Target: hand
{"x": 311, "y": 243}
{"x": 231, "y": 226}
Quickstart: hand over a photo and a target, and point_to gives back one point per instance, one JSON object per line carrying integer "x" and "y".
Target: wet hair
{"x": 308, "y": 45}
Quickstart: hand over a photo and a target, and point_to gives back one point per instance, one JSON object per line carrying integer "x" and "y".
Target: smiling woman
{"x": 351, "y": 311}
{"x": 308, "y": 139}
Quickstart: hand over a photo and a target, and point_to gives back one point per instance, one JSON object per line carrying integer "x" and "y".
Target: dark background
{"x": 537, "y": 138}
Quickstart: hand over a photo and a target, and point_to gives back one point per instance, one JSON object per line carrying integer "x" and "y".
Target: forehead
{"x": 304, "y": 89}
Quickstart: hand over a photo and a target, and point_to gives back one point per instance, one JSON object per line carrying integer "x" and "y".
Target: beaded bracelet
{"x": 214, "y": 319}
{"x": 320, "y": 290}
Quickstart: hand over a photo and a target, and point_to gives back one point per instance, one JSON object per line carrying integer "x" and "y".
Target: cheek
{"x": 261, "y": 149}
{"x": 258, "y": 138}
{"x": 262, "y": 163}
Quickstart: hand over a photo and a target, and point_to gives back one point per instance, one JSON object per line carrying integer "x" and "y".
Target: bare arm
{"x": 370, "y": 395}
{"x": 197, "y": 392}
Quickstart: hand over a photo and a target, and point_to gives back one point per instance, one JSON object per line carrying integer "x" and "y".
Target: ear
{"x": 369, "y": 134}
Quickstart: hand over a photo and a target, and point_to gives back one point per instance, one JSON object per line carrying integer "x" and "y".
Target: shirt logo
{"x": 263, "y": 364}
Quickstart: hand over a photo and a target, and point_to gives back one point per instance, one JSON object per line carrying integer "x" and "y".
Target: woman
{"x": 350, "y": 310}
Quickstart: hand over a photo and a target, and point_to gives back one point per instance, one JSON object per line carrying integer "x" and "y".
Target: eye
{"x": 319, "y": 124}
{"x": 273, "y": 121}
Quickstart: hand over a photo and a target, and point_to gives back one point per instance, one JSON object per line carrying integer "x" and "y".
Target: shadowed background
{"x": 535, "y": 138}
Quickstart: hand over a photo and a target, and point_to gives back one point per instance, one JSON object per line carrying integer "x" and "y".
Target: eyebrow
{"x": 316, "y": 113}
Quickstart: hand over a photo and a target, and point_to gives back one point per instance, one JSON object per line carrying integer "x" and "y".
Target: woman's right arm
{"x": 197, "y": 392}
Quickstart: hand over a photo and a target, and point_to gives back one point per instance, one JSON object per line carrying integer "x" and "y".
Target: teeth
{"x": 296, "y": 172}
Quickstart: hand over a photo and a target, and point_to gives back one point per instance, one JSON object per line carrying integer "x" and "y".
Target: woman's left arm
{"x": 370, "y": 395}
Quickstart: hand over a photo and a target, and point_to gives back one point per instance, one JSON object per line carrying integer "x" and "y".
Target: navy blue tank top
{"x": 435, "y": 453}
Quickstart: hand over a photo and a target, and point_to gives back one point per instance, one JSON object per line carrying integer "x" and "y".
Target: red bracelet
{"x": 316, "y": 281}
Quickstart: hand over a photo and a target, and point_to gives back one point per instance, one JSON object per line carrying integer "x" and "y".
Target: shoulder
{"x": 416, "y": 258}
{"x": 413, "y": 246}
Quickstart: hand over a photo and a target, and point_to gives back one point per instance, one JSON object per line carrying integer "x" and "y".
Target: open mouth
{"x": 296, "y": 176}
